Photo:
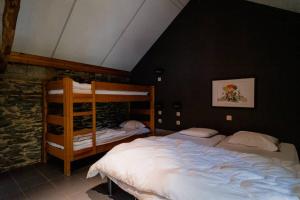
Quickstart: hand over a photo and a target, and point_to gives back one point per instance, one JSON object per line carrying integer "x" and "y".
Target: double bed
{"x": 185, "y": 167}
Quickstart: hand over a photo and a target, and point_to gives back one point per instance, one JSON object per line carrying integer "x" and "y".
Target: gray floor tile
{"x": 89, "y": 195}
{"x": 16, "y": 195}
{"x": 45, "y": 191}
{"x": 49, "y": 171}
{"x": 28, "y": 177}
{"x": 71, "y": 185}
{"x": 23, "y": 173}
{"x": 4, "y": 178}
{"x": 8, "y": 186}
{"x": 32, "y": 182}
{"x": 47, "y": 182}
{"x": 117, "y": 193}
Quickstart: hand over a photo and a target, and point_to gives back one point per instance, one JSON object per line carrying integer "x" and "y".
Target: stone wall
{"x": 21, "y": 106}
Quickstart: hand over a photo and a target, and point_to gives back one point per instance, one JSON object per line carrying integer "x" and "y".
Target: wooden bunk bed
{"x": 100, "y": 92}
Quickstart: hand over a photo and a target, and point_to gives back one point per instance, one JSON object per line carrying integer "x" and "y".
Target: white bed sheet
{"x": 102, "y": 137}
{"x": 76, "y": 91}
{"x": 287, "y": 151}
{"x": 121, "y": 92}
{"x": 190, "y": 171}
{"x": 211, "y": 141}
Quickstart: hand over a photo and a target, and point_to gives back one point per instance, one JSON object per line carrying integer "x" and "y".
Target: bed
{"x": 187, "y": 170}
{"x": 73, "y": 144}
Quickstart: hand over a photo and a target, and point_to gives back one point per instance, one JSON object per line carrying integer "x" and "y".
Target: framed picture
{"x": 233, "y": 93}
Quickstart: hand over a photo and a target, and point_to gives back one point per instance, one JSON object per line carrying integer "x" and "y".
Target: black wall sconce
{"x": 159, "y": 74}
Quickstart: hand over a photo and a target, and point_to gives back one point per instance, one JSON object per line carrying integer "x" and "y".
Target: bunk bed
{"x": 67, "y": 93}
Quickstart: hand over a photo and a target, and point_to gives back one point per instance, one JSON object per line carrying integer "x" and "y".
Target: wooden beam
{"x": 22, "y": 58}
{"x": 9, "y": 21}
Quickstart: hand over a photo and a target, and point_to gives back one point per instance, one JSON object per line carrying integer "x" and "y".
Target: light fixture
{"x": 177, "y": 105}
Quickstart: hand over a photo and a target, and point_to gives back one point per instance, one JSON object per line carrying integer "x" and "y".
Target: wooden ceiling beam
{"x": 9, "y": 21}
{"x": 28, "y": 59}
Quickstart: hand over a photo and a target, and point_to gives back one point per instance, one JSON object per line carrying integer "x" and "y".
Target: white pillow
{"x": 199, "y": 132}
{"x": 254, "y": 139}
{"x": 132, "y": 124}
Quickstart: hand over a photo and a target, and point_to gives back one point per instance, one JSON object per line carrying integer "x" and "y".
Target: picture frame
{"x": 238, "y": 93}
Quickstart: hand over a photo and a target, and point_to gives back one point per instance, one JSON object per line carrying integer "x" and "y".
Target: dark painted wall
{"x": 229, "y": 39}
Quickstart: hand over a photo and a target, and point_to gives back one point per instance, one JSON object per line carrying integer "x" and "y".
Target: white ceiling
{"x": 109, "y": 33}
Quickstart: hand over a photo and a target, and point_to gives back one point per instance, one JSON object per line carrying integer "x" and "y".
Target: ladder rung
{"x": 76, "y": 114}
{"x": 82, "y": 131}
{"x": 58, "y": 139}
{"x": 140, "y": 111}
{"x": 55, "y": 119}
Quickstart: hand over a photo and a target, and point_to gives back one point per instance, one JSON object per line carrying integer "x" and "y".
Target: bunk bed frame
{"x": 68, "y": 98}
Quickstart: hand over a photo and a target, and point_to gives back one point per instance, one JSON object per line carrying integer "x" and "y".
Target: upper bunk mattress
{"x": 105, "y": 92}
{"x": 85, "y": 88}
{"x": 287, "y": 152}
{"x": 78, "y": 88}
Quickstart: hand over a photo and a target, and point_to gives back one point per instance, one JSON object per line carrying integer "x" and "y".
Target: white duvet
{"x": 166, "y": 168}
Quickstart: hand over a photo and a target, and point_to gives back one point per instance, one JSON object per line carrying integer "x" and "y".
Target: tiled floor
{"x": 46, "y": 181}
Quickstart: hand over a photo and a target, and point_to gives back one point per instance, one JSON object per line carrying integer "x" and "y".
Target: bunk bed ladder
{"x": 68, "y": 124}
{"x": 45, "y": 113}
{"x": 94, "y": 118}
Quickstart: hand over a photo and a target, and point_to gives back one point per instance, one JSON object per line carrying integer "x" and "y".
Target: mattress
{"x": 76, "y": 91}
{"x": 104, "y": 136}
{"x": 85, "y": 88}
{"x": 107, "y": 92}
{"x": 121, "y": 92}
{"x": 287, "y": 152}
{"x": 211, "y": 141}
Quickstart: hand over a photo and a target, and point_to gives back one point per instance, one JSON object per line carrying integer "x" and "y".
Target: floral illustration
{"x": 231, "y": 93}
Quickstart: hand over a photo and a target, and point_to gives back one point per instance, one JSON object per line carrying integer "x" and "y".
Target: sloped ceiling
{"x": 109, "y": 33}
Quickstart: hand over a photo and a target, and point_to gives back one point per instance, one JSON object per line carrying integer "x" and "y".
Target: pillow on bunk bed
{"x": 254, "y": 139}
{"x": 199, "y": 132}
{"x": 132, "y": 124}
{"x": 82, "y": 86}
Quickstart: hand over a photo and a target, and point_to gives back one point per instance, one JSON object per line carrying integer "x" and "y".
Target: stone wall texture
{"x": 21, "y": 107}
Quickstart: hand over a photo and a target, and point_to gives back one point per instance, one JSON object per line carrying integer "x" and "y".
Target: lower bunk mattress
{"x": 103, "y": 136}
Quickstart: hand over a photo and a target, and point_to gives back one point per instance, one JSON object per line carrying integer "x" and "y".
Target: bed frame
{"x": 68, "y": 98}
